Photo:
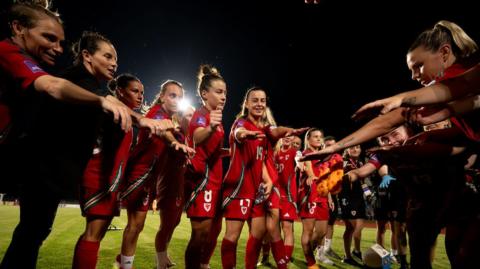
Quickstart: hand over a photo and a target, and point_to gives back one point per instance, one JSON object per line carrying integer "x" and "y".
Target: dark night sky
{"x": 318, "y": 62}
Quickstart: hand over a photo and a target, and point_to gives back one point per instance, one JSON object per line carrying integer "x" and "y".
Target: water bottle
{"x": 366, "y": 190}
{"x": 260, "y": 194}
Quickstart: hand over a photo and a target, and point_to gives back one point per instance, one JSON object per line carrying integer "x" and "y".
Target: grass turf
{"x": 57, "y": 250}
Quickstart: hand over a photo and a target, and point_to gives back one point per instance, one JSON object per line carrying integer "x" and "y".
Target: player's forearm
{"x": 373, "y": 129}
{"x": 64, "y": 90}
{"x": 365, "y": 170}
{"x": 169, "y": 137}
{"x": 202, "y": 134}
{"x": 280, "y": 132}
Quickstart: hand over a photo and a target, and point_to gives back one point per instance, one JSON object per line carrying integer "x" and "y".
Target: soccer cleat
{"x": 264, "y": 261}
{"x": 318, "y": 252}
{"x": 331, "y": 253}
{"x": 315, "y": 266}
{"x": 321, "y": 258}
{"x": 170, "y": 263}
{"x": 351, "y": 261}
{"x": 205, "y": 266}
{"x": 357, "y": 254}
{"x": 393, "y": 258}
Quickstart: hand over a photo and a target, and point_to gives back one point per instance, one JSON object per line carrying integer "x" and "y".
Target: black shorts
{"x": 391, "y": 203}
{"x": 332, "y": 214}
{"x": 352, "y": 208}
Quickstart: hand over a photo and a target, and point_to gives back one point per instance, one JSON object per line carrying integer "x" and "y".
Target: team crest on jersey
{"x": 159, "y": 116}
{"x": 311, "y": 207}
{"x": 353, "y": 212}
{"x": 145, "y": 200}
{"x": 394, "y": 214}
{"x": 178, "y": 201}
{"x": 201, "y": 121}
{"x": 207, "y": 206}
{"x": 244, "y": 209}
{"x": 286, "y": 215}
{"x": 32, "y": 66}
{"x": 240, "y": 123}
{"x": 286, "y": 157}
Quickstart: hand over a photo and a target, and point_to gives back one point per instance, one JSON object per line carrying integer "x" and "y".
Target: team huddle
{"x": 74, "y": 135}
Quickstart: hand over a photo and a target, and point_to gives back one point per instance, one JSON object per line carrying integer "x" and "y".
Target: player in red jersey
{"x": 283, "y": 159}
{"x": 130, "y": 91}
{"x": 169, "y": 185}
{"x": 144, "y": 167}
{"x": 313, "y": 207}
{"x": 438, "y": 54}
{"x": 104, "y": 176}
{"x": 36, "y": 36}
{"x": 203, "y": 178}
{"x": 248, "y": 181}
{"x": 287, "y": 181}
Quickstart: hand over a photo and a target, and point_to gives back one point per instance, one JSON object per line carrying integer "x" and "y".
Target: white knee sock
{"x": 126, "y": 262}
{"x": 328, "y": 244}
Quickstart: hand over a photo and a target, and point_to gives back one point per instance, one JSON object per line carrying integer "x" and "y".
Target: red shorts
{"x": 288, "y": 211}
{"x": 100, "y": 203}
{"x": 170, "y": 184}
{"x": 203, "y": 204}
{"x": 238, "y": 208}
{"x": 274, "y": 199}
{"x": 139, "y": 199}
{"x": 244, "y": 209}
{"x": 314, "y": 210}
{"x": 103, "y": 176}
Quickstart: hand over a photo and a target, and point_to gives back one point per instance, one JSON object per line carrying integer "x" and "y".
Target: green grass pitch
{"x": 57, "y": 250}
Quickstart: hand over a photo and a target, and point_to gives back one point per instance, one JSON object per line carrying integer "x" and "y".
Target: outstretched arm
{"x": 450, "y": 89}
{"x": 374, "y": 128}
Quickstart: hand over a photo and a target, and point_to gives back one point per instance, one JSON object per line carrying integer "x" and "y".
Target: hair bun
{"x": 207, "y": 70}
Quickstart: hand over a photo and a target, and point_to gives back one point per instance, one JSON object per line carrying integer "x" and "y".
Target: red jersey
{"x": 244, "y": 174}
{"x": 468, "y": 124}
{"x": 144, "y": 163}
{"x": 287, "y": 182}
{"x": 309, "y": 193}
{"x": 208, "y": 154}
{"x": 171, "y": 170}
{"x": 17, "y": 73}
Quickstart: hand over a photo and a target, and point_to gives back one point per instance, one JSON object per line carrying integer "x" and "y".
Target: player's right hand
{"x": 386, "y": 105}
{"x": 216, "y": 117}
{"x": 121, "y": 113}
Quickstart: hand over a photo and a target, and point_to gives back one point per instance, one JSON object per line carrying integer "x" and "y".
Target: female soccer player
{"x": 146, "y": 166}
{"x": 287, "y": 181}
{"x": 314, "y": 209}
{"x": 26, "y": 114}
{"x": 352, "y": 206}
{"x": 248, "y": 182}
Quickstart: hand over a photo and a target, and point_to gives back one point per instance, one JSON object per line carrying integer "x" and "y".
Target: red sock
{"x": 310, "y": 260}
{"x": 278, "y": 250}
{"x": 86, "y": 254}
{"x": 253, "y": 251}
{"x": 288, "y": 252}
{"x": 229, "y": 254}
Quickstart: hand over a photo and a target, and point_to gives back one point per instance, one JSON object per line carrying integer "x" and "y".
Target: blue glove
{"x": 386, "y": 181}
